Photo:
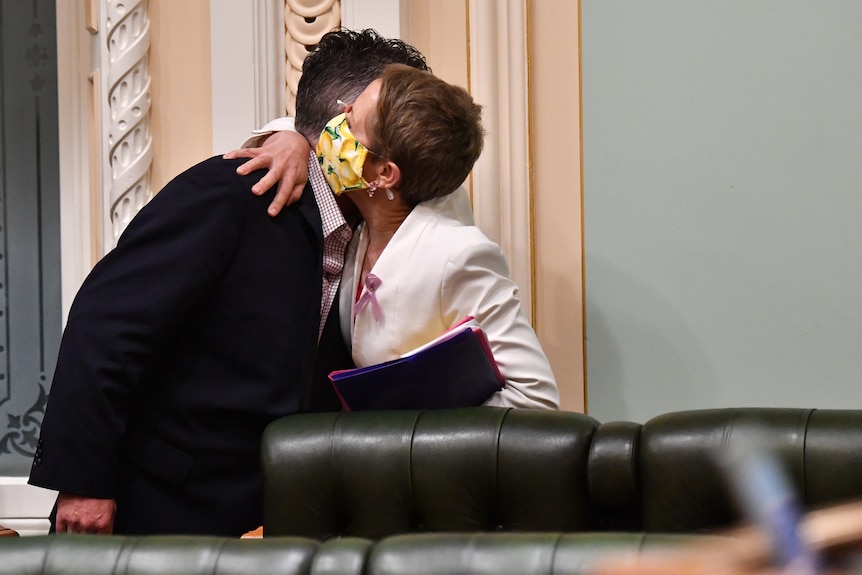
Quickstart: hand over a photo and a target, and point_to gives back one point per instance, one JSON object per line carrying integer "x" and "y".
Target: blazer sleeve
{"x": 477, "y": 282}
{"x": 168, "y": 260}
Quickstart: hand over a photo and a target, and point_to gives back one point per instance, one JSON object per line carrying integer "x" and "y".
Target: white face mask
{"x": 341, "y": 156}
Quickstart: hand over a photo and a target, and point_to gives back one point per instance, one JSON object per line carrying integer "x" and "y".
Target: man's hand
{"x": 85, "y": 514}
{"x": 285, "y": 154}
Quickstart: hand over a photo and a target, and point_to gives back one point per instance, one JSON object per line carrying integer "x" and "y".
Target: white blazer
{"x": 437, "y": 269}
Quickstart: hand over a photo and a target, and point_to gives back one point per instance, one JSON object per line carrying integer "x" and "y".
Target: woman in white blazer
{"x": 433, "y": 266}
{"x": 426, "y": 266}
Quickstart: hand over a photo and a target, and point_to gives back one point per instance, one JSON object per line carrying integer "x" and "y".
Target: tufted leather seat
{"x": 481, "y": 490}
{"x": 375, "y": 474}
{"x": 372, "y": 474}
{"x": 684, "y": 485}
{"x": 168, "y": 555}
{"x": 444, "y": 554}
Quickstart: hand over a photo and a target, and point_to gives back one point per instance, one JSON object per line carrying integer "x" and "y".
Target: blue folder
{"x": 457, "y": 372}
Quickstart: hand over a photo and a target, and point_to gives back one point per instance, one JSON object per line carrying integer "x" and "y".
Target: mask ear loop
{"x": 372, "y": 187}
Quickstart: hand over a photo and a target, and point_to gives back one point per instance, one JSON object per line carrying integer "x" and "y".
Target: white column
{"x": 388, "y": 17}
{"x": 502, "y": 196}
{"x": 247, "y": 41}
{"x": 73, "y": 69}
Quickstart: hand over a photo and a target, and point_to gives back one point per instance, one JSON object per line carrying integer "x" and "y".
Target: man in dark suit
{"x": 199, "y": 329}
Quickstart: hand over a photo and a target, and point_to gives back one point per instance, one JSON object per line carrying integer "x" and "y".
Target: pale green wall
{"x": 723, "y": 204}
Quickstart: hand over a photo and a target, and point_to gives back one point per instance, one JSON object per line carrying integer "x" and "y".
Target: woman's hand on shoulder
{"x": 285, "y": 155}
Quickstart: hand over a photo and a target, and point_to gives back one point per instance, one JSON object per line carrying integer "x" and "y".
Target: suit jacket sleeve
{"x": 128, "y": 309}
{"x": 477, "y": 282}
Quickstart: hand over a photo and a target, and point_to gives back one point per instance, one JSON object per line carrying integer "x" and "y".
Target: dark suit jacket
{"x": 188, "y": 338}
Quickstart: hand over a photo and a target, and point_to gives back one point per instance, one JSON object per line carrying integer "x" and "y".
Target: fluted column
{"x": 305, "y": 21}
{"x": 502, "y": 191}
{"x": 125, "y": 98}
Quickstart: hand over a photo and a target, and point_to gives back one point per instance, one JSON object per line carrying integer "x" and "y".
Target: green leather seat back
{"x": 178, "y": 555}
{"x": 510, "y": 553}
{"x": 429, "y": 554}
{"x": 373, "y": 474}
{"x": 685, "y": 483}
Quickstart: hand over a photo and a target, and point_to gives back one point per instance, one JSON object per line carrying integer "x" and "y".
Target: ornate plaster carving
{"x": 305, "y": 21}
{"x": 128, "y": 146}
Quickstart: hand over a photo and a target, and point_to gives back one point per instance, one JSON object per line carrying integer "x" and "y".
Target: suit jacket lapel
{"x": 307, "y": 206}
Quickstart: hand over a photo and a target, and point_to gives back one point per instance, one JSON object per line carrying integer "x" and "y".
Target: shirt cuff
{"x": 277, "y": 125}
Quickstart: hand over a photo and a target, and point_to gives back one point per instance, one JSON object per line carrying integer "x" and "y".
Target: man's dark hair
{"x": 340, "y": 67}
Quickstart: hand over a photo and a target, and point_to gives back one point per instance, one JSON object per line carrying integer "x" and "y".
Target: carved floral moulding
{"x": 129, "y": 143}
{"x": 305, "y": 21}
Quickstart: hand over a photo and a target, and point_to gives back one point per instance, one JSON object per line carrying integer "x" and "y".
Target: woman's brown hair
{"x": 430, "y": 129}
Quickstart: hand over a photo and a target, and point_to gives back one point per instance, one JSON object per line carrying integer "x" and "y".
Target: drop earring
{"x": 372, "y": 187}
{"x": 389, "y": 194}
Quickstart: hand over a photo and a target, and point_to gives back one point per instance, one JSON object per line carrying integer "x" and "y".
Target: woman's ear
{"x": 389, "y": 176}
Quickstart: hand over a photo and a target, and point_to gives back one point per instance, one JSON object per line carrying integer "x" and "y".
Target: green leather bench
{"x": 430, "y": 554}
{"x": 375, "y": 474}
{"x": 481, "y": 490}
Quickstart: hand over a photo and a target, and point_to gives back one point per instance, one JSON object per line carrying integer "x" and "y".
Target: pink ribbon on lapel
{"x": 372, "y": 282}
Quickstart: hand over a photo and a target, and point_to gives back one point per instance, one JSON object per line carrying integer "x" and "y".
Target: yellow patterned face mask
{"x": 341, "y": 156}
